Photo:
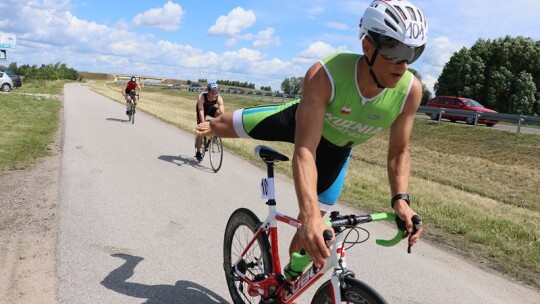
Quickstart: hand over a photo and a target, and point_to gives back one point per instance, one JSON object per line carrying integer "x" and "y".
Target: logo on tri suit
{"x": 375, "y": 116}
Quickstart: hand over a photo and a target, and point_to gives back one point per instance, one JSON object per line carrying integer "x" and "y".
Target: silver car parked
{"x": 6, "y": 84}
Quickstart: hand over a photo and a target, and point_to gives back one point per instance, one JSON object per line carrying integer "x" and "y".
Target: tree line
{"x": 235, "y": 83}
{"x": 58, "y": 71}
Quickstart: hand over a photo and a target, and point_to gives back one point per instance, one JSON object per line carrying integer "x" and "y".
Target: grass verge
{"x": 27, "y": 126}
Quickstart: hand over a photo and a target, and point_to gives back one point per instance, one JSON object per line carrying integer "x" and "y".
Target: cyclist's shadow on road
{"x": 181, "y": 160}
{"x": 181, "y": 292}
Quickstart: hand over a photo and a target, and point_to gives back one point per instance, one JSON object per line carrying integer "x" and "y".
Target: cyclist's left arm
{"x": 200, "y": 108}
{"x": 399, "y": 162}
{"x": 139, "y": 87}
{"x": 220, "y": 105}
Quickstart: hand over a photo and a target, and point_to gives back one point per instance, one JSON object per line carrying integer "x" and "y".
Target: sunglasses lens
{"x": 396, "y": 51}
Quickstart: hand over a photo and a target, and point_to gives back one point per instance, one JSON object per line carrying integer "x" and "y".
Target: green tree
{"x": 426, "y": 94}
{"x": 292, "y": 85}
{"x": 503, "y": 74}
{"x": 523, "y": 100}
{"x": 13, "y": 67}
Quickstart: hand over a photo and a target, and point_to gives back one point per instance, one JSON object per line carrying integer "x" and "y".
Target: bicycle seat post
{"x": 270, "y": 169}
{"x": 269, "y": 156}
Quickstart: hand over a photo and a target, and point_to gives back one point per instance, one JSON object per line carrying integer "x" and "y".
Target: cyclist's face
{"x": 388, "y": 72}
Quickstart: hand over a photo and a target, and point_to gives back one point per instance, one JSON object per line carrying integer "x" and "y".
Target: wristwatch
{"x": 400, "y": 196}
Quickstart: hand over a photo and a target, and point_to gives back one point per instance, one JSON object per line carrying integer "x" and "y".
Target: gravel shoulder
{"x": 29, "y": 201}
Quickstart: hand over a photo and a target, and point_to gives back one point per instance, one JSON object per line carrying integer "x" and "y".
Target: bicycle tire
{"x": 355, "y": 291}
{"x": 132, "y": 113}
{"x": 239, "y": 231}
{"x": 216, "y": 153}
{"x": 204, "y": 146}
{"x": 129, "y": 112}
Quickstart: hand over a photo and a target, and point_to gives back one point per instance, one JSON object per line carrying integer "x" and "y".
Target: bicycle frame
{"x": 250, "y": 272}
{"x": 336, "y": 260}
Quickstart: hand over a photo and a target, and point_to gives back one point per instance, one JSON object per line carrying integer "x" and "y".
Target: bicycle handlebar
{"x": 337, "y": 220}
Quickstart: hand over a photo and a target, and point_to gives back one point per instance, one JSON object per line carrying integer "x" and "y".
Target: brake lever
{"x": 417, "y": 224}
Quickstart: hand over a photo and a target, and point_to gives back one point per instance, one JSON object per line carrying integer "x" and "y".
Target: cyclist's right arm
{"x": 309, "y": 123}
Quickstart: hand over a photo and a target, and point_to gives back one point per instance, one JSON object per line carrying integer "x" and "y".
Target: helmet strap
{"x": 371, "y": 72}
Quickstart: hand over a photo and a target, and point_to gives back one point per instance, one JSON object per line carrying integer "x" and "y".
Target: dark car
{"x": 236, "y": 91}
{"x": 17, "y": 82}
{"x": 195, "y": 87}
{"x": 460, "y": 103}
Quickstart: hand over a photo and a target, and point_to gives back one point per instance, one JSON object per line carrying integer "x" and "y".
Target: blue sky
{"x": 261, "y": 42}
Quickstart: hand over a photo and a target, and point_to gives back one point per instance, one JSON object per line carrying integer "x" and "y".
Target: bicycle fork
{"x": 337, "y": 280}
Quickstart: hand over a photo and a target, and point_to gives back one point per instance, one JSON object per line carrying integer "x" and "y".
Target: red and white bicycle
{"x": 251, "y": 259}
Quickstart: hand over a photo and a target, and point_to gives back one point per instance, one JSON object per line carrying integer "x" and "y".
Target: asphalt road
{"x": 142, "y": 222}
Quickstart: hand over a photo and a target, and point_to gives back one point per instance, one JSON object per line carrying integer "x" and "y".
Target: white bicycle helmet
{"x": 398, "y": 19}
{"x": 398, "y": 30}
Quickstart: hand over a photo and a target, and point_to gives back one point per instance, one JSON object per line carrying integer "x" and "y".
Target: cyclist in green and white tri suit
{"x": 346, "y": 99}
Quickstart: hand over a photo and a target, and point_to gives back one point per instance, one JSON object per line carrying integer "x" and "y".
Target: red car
{"x": 460, "y": 103}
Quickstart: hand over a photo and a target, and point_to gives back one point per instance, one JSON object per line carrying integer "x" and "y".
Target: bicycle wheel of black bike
{"x": 204, "y": 147}
{"x": 239, "y": 231}
{"x": 355, "y": 291}
{"x": 132, "y": 113}
{"x": 216, "y": 153}
{"x": 129, "y": 112}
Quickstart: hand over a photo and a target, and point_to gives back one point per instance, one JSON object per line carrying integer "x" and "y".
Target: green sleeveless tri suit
{"x": 350, "y": 119}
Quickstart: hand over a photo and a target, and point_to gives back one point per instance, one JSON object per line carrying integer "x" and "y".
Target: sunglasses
{"x": 396, "y": 51}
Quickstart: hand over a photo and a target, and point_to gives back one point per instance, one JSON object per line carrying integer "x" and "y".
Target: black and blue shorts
{"x": 278, "y": 123}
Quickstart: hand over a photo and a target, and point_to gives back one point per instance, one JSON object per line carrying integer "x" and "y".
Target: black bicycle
{"x": 131, "y": 108}
{"x": 214, "y": 146}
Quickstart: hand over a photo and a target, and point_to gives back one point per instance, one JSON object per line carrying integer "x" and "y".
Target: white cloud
{"x": 315, "y": 10}
{"x": 167, "y": 18}
{"x": 437, "y": 53}
{"x": 231, "y": 25}
{"x": 316, "y": 51}
{"x": 337, "y": 25}
{"x": 266, "y": 38}
{"x": 253, "y": 63}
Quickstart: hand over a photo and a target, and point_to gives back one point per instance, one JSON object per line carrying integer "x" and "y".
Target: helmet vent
{"x": 390, "y": 25}
{"x": 400, "y": 12}
{"x": 420, "y": 16}
{"x": 411, "y": 12}
{"x": 390, "y": 13}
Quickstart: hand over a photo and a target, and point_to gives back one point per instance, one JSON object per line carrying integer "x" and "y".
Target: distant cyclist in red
{"x": 131, "y": 85}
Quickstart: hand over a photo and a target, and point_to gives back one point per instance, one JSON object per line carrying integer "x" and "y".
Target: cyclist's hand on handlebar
{"x": 203, "y": 129}
{"x": 405, "y": 213}
{"x": 311, "y": 239}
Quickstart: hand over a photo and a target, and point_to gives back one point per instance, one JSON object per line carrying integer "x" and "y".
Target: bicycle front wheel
{"x": 240, "y": 230}
{"x": 354, "y": 291}
{"x": 132, "y": 113}
{"x": 216, "y": 153}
